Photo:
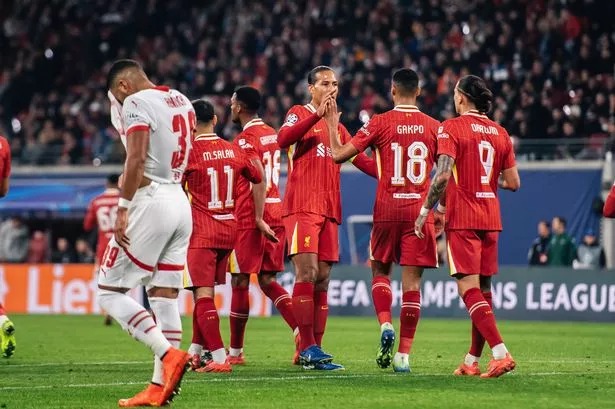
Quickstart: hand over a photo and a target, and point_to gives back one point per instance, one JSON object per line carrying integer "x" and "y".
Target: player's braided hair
{"x": 476, "y": 90}
{"x": 117, "y": 68}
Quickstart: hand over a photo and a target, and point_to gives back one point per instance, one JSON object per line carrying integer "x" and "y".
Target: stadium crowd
{"x": 549, "y": 62}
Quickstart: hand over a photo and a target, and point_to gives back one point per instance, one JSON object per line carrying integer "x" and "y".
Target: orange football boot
{"x": 216, "y": 367}
{"x": 468, "y": 370}
{"x": 498, "y": 367}
{"x": 236, "y": 360}
{"x": 174, "y": 365}
{"x": 151, "y": 396}
{"x": 296, "y": 360}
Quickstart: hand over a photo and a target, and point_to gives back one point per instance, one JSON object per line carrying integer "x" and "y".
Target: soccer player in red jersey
{"x": 312, "y": 210}
{"x": 101, "y": 213}
{"x": 478, "y": 154}
{"x": 260, "y": 243}
{"x": 7, "y": 328}
{"x": 404, "y": 142}
{"x": 609, "y": 204}
{"x": 214, "y": 167}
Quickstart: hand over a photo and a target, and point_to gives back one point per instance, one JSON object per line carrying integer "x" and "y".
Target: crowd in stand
{"x": 550, "y": 63}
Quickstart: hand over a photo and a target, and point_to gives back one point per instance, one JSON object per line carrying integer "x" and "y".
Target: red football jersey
{"x": 259, "y": 141}
{"x": 404, "y": 142}
{"x": 481, "y": 149}
{"x": 313, "y": 184}
{"x": 5, "y": 158}
{"x": 102, "y": 213}
{"x": 214, "y": 166}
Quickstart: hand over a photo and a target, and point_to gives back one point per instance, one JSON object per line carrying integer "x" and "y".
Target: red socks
{"x": 409, "y": 319}
{"x": 478, "y": 341}
{"x": 482, "y": 316}
{"x": 238, "y": 318}
{"x": 321, "y": 312}
{"x": 209, "y": 323}
{"x": 383, "y": 298}
{"x": 303, "y": 307}
{"x": 282, "y": 301}
{"x": 197, "y": 338}
{"x": 2, "y": 310}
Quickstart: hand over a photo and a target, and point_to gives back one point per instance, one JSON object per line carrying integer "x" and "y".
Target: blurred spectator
{"x": 548, "y": 62}
{"x": 83, "y": 251}
{"x": 38, "y": 251}
{"x": 63, "y": 253}
{"x": 590, "y": 254}
{"x": 561, "y": 250}
{"x": 537, "y": 256}
{"x": 13, "y": 241}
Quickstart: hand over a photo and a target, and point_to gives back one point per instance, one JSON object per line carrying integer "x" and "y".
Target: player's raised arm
{"x": 294, "y": 129}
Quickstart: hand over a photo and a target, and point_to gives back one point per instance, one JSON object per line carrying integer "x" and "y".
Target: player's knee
{"x": 264, "y": 280}
{"x": 163, "y": 292}
{"x": 307, "y": 273}
{"x": 240, "y": 281}
{"x": 321, "y": 284}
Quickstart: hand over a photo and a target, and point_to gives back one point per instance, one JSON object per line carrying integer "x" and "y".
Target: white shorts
{"x": 159, "y": 229}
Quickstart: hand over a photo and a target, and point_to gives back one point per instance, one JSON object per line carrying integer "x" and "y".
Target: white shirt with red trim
{"x": 169, "y": 117}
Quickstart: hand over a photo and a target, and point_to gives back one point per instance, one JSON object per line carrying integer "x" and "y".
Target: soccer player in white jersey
{"x": 153, "y": 224}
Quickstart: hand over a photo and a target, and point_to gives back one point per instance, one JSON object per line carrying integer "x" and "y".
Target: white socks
{"x": 470, "y": 359}
{"x": 499, "y": 351}
{"x": 219, "y": 356}
{"x": 195, "y": 349}
{"x": 134, "y": 319}
{"x": 166, "y": 311}
{"x": 3, "y": 319}
{"x": 235, "y": 351}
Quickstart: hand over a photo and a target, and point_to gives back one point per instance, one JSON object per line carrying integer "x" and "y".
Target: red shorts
{"x": 472, "y": 251}
{"x": 396, "y": 242}
{"x": 254, "y": 253}
{"x": 206, "y": 267}
{"x": 312, "y": 233}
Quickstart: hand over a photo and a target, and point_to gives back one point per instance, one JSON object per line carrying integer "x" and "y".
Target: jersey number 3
{"x": 183, "y": 128}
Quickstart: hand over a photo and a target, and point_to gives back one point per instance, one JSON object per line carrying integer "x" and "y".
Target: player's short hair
{"x": 204, "y": 110}
{"x": 476, "y": 90}
{"x": 249, "y": 97}
{"x": 546, "y": 223}
{"x": 406, "y": 81}
{"x": 311, "y": 78}
{"x": 113, "y": 179}
{"x": 117, "y": 68}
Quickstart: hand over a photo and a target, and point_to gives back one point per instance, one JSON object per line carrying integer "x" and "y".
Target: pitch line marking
{"x": 278, "y": 378}
{"x": 532, "y": 361}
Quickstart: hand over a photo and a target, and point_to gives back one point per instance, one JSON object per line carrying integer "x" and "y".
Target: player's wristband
{"x": 441, "y": 209}
{"x": 123, "y": 203}
{"x": 424, "y": 211}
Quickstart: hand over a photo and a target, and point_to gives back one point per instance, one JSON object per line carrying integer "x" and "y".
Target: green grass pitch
{"x": 75, "y": 362}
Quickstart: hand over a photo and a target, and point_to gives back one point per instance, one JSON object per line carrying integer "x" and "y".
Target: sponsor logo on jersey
{"x": 443, "y": 136}
{"x": 269, "y": 139}
{"x": 320, "y": 150}
{"x": 243, "y": 144}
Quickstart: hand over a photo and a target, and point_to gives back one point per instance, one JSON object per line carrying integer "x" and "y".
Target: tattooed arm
{"x": 437, "y": 189}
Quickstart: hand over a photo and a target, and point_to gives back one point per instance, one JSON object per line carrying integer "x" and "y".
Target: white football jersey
{"x": 170, "y": 118}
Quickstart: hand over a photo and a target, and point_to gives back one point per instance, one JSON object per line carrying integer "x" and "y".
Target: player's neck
{"x": 204, "y": 130}
{"x": 245, "y": 120}
{"x": 468, "y": 110}
{"x": 405, "y": 102}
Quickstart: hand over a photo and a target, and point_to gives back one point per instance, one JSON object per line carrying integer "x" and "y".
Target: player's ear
{"x": 393, "y": 90}
{"x": 214, "y": 121}
{"x": 418, "y": 91}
